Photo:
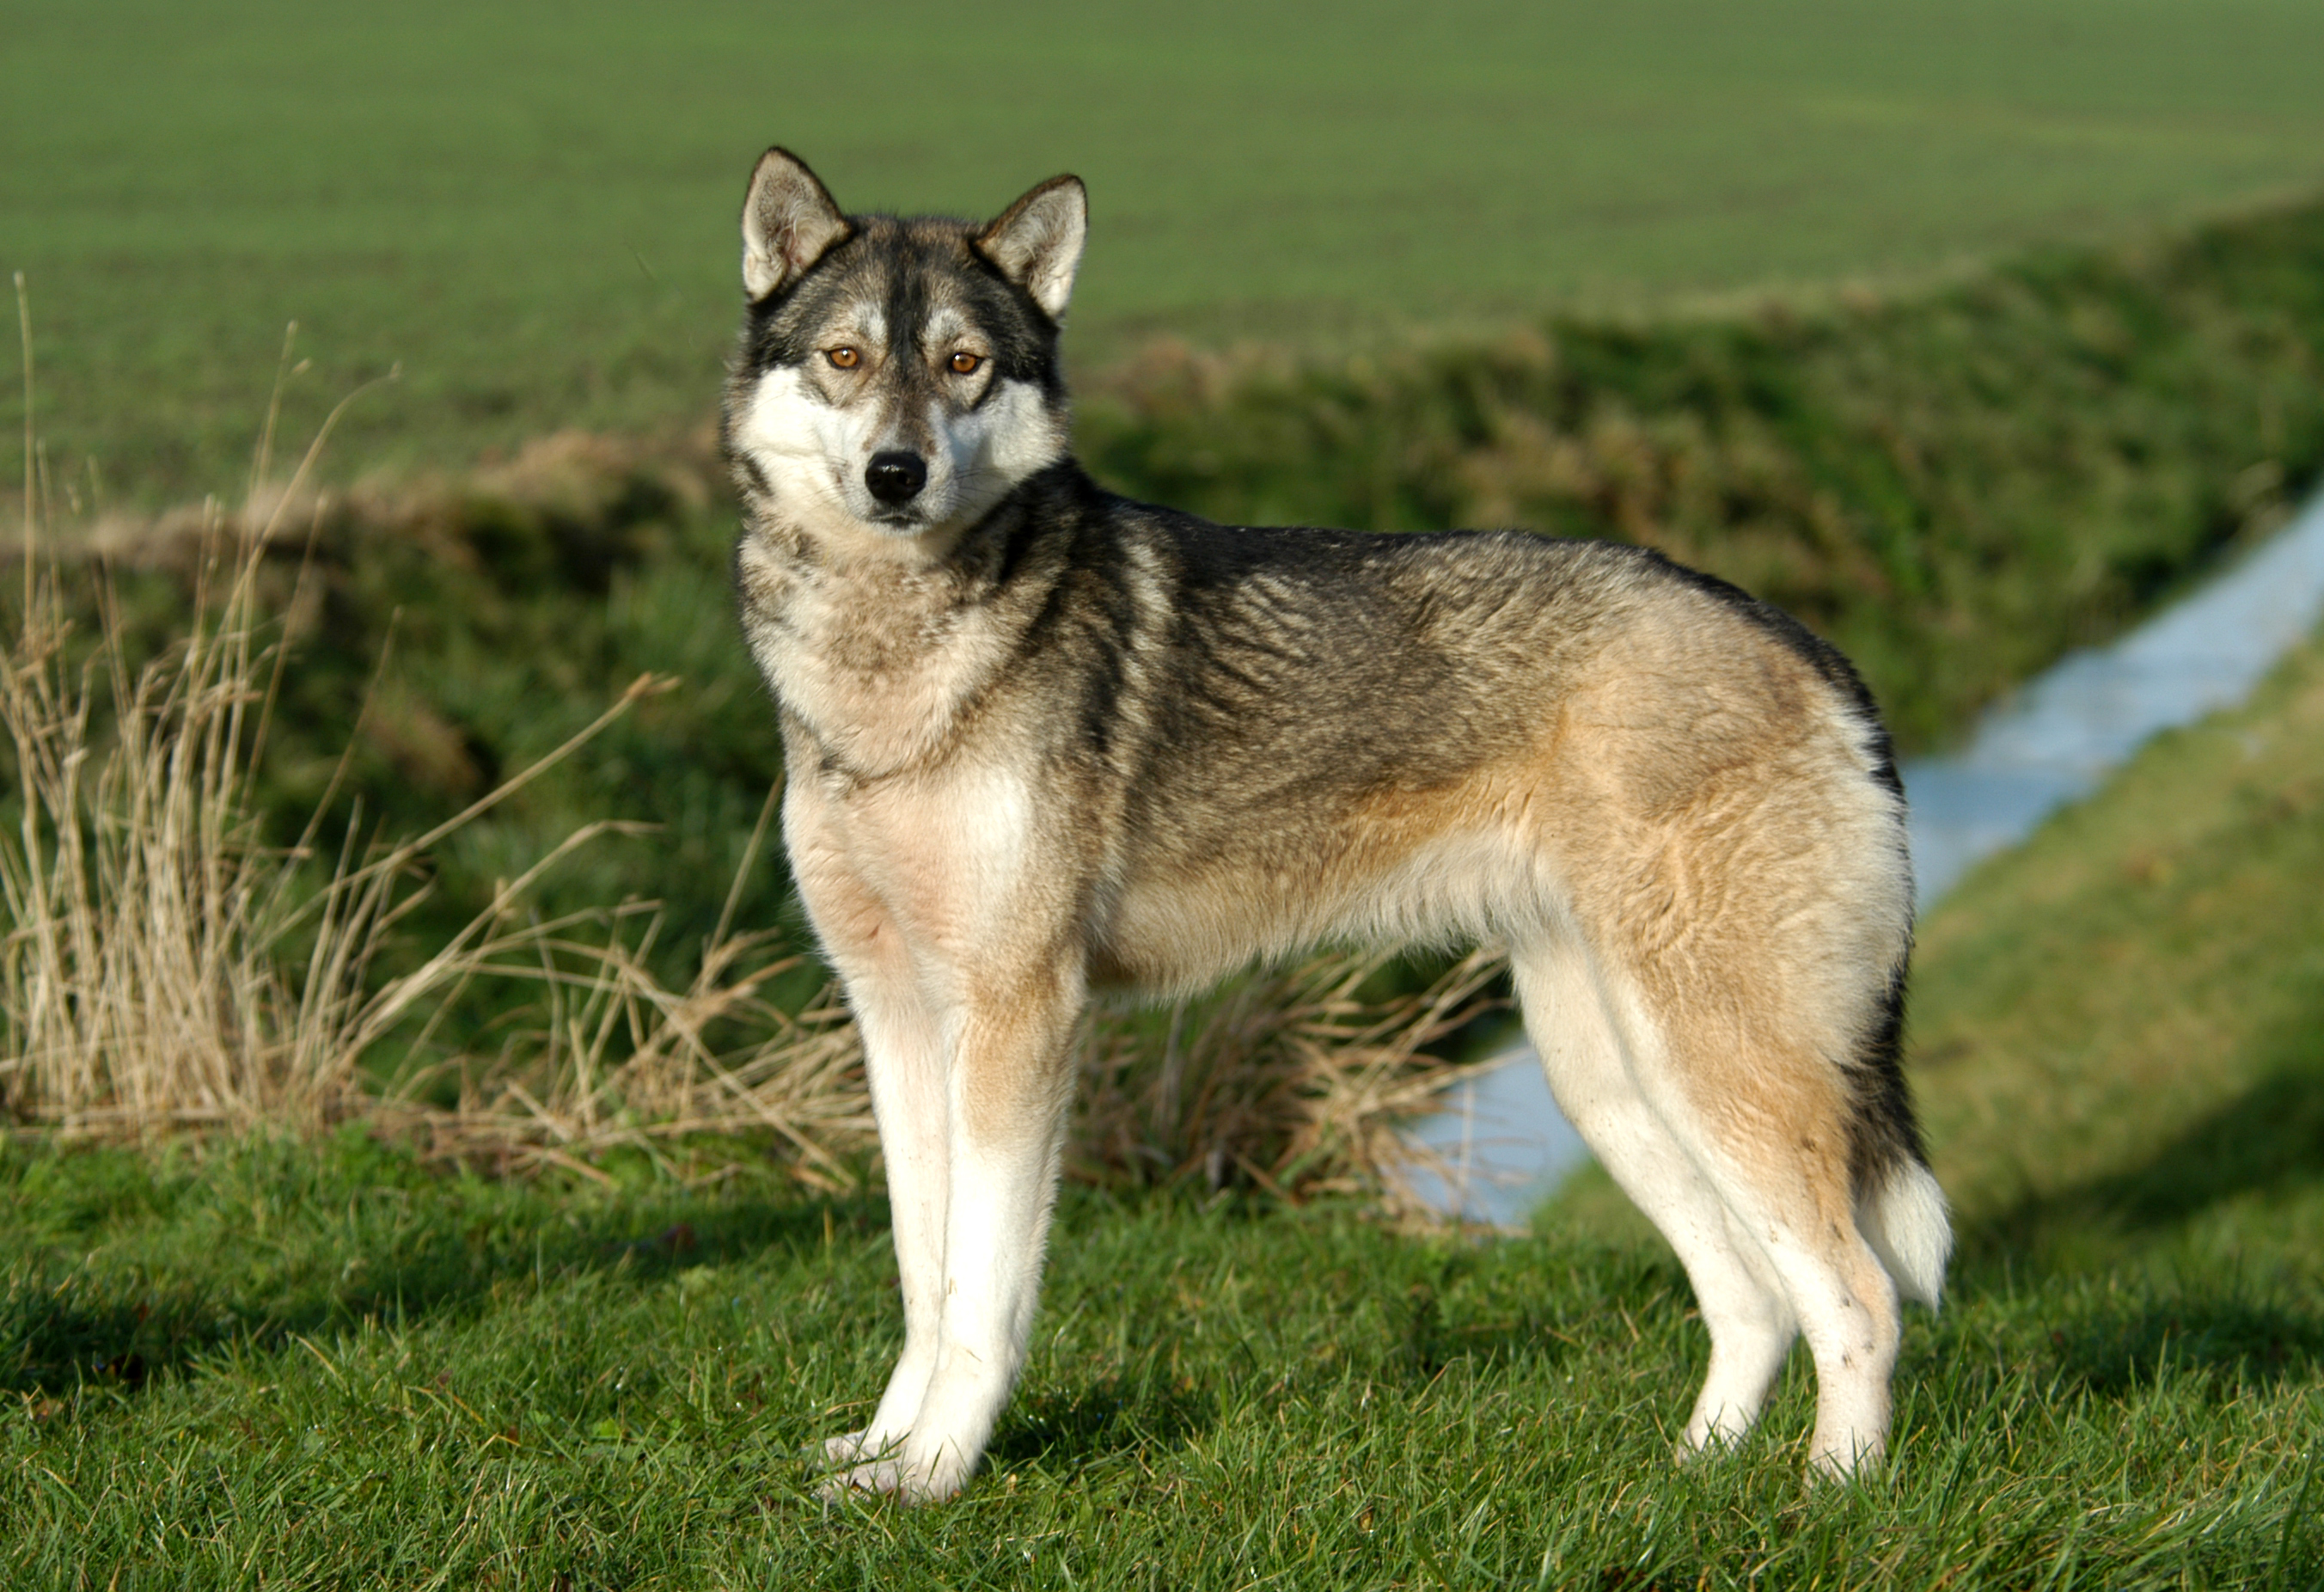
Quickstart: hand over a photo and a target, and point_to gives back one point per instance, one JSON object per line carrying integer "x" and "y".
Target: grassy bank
{"x": 2122, "y": 1027}
{"x": 325, "y": 1366}
{"x": 532, "y": 211}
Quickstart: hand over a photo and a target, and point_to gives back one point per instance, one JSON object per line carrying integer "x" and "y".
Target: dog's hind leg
{"x": 1767, "y": 1124}
{"x": 1786, "y": 1177}
{"x": 1569, "y": 1017}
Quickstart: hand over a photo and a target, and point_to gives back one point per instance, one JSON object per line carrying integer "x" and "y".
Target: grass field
{"x": 326, "y": 1366}
{"x": 531, "y": 209}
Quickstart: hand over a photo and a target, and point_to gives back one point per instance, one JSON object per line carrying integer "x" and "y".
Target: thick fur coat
{"x": 1041, "y": 739}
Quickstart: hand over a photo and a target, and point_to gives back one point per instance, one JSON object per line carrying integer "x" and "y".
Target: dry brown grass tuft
{"x": 163, "y": 964}
{"x": 1295, "y": 1081}
{"x": 140, "y": 983}
{"x": 165, "y": 968}
{"x": 617, "y": 1058}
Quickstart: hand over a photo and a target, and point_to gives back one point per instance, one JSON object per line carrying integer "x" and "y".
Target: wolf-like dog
{"x": 1041, "y": 740}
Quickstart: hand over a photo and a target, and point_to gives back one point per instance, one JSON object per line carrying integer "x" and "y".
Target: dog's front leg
{"x": 904, "y": 1059}
{"x": 1010, "y": 1085}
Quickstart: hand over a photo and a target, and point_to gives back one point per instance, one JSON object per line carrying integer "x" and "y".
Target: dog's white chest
{"x": 943, "y": 859}
{"x": 878, "y": 669}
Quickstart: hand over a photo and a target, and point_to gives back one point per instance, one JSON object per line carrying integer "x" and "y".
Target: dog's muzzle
{"x": 895, "y": 478}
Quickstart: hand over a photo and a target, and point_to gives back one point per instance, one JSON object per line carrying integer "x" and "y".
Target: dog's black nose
{"x": 895, "y": 479}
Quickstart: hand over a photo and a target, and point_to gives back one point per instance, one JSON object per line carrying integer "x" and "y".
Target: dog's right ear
{"x": 788, "y": 223}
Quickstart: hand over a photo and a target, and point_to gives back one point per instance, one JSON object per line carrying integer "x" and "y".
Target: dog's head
{"x": 897, "y": 377}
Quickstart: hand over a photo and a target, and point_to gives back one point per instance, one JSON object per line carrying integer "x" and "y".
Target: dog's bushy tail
{"x": 1899, "y": 1207}
{"x": 1904, "y": 1218}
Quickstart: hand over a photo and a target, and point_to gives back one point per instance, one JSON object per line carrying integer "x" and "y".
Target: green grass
{"x": 327, "y": 1367}
{"x": 531, "y": 208}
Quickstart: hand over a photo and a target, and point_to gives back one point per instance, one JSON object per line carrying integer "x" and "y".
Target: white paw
{"x": 1856, "y": 1455}
{"x": 897, "y": 1478}
{"x": 843, "y": 1450}
{"x": 1712, "y": 1436}
{"x": 1691, "y": 1448}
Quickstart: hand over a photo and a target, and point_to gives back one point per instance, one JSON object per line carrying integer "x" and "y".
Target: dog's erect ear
{"x": 1038, "y": 241}
{"x": 788, "y": 223}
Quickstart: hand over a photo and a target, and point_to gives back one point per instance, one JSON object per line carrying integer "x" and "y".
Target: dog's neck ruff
{"x": 877, "y": 644}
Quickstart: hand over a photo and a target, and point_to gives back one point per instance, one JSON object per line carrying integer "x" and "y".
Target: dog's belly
{"x": 1177, "y": 929}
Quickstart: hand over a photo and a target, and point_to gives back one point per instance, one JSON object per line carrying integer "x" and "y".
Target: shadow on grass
{"x": 2269, "y": 1143}
{"x": 68, "y": 1322}
{"x": 2202, "y": 1313}
{"x": 2227, "y": 1343}
{"x": 1081, "y": 1427}
{"x": 1530, "y": 1336}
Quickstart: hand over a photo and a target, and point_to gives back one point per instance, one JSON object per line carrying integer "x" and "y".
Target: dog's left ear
{"x": 1038, "y": 241}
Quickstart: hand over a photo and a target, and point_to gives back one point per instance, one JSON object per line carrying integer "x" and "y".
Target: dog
{"x": 1040, "y": 740}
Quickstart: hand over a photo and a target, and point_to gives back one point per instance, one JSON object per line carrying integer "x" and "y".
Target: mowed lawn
{"x": 328, "y": 1367}
{"x": 529, "y": 208}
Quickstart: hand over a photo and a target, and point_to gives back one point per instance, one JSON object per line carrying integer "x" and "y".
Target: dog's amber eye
{"x": 845, "y": 358}
{"x": 962, "y": 364}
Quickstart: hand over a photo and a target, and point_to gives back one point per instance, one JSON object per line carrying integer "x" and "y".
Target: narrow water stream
{"x": 2050, "y": 743}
